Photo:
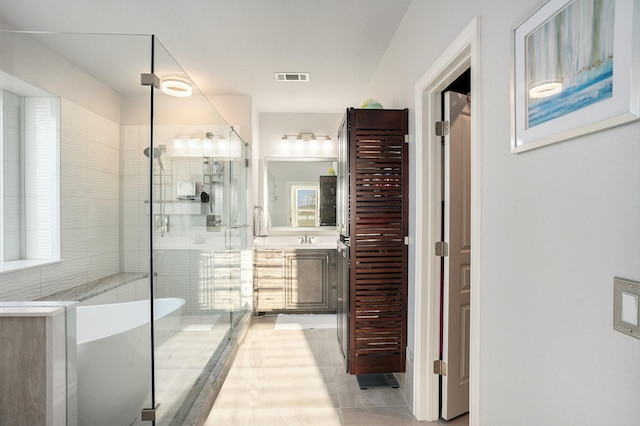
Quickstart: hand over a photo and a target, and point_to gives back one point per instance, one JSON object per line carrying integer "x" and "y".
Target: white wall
{"x": 236, "y": 110}
{"x": 271, "y": 128}
{"x": 558, "y": 224}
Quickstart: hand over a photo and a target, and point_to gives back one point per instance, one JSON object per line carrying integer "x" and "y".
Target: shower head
{"x": 156, "y": 155}
{"x": 209, "y": 135}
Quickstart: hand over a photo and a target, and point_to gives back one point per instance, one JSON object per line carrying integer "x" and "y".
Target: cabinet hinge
{"x": 442, "y": 249}
{"x": 442, "y": 128}
{"x": 406, "y": 138}
{"x": 440, "y": 367}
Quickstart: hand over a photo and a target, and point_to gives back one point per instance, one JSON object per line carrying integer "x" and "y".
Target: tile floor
{"x": 296, "y": 377}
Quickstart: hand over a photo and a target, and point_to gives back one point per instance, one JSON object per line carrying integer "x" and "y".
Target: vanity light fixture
{"x": 213, "y": 137}
{"x": 175, "y": 86}
{"x": 301, "y": 138}
{"x": 222, "y": 142}
{"x": 178, "y": 143}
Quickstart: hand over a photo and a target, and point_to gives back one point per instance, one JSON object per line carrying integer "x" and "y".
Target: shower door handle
{"x": 228, "y": 234}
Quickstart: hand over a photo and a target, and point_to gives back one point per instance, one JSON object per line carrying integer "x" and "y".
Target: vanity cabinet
{"x": 295, "y": 280}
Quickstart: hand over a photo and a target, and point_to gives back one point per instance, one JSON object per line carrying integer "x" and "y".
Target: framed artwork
{"x": 576, "y": 70}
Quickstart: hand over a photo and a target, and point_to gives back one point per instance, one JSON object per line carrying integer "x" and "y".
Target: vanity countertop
{"x": 319, "y": 242}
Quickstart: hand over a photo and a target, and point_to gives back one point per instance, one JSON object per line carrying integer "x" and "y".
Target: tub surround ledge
{"x": 91, "y": 289}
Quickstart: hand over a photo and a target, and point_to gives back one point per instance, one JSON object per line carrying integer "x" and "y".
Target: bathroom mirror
{"x": 292, "y": 193}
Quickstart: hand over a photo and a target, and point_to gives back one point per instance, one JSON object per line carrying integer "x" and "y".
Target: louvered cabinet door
{"x": 378, "y": 222}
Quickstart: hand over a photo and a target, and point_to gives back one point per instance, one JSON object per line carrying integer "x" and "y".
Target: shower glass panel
{"x": 138, "y": 200}
{"x": 83, "y": 122}
{"x": 197, "y": 222}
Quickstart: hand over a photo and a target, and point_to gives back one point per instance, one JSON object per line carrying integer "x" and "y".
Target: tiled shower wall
{"x": 135, "y": 191}
{"x": 205, "y": 276}
{"x": 89, "y": 209}
{"x": 10, "y": 175}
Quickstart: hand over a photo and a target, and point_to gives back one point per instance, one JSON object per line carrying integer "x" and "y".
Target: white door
{"x": 457, "y": 265}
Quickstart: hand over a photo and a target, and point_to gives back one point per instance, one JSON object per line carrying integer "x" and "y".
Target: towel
{"x": 260, "y": 222}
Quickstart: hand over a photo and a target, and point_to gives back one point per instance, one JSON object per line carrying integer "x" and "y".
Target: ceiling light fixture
{"x": 176, "y": 87}
{"x": 545, "y": 90}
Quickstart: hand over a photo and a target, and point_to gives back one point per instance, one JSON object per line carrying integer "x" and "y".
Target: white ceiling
{"x": 234, "y": 47}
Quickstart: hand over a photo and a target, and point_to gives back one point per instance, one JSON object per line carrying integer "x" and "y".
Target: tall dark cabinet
{"x": 328, "y": 200}
{"x": 372, "y": 219}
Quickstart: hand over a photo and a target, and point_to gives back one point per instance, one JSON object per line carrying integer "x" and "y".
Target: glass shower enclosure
{"x": 144, "y": 220}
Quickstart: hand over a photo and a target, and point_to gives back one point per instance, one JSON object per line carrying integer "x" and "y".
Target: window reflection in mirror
{"x": 293, "y": 194}
{"x": 304, "y": 206}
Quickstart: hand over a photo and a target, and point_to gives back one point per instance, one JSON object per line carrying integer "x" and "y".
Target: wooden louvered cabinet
{"x": 377, "y": 215}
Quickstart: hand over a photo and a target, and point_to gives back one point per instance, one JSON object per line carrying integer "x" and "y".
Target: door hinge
{"x": 406, "y": 138}
{"x": 406, "y": 241}
{"x": 149, "y": 414}
{"x": 440, "y": 367}
{"x": 150, "y": 79}
{"x": 442, "y": 128}
{"x": 246, "y": 162}
{"x": 442, "y": 249}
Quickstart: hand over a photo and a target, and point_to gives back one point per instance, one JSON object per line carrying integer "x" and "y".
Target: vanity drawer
{"x": 269, "y": 271}
{"x": 269, "y": 299}
{"x": 268, "y": 257}
{"x": 267, "y": 282}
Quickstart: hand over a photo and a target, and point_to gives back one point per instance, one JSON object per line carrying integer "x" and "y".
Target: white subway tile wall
{"x": 89, "y": 208}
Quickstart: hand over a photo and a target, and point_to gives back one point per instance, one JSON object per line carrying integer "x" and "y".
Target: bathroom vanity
{"x": 295, "y": 276}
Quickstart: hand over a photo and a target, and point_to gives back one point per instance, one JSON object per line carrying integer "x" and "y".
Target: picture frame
{"x": 575, "y": 71}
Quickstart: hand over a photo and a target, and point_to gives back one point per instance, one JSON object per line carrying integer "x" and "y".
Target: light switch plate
{"x": 626, "y": 306}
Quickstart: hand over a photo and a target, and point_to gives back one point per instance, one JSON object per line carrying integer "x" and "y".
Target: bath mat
{"x": 304, "y": 321}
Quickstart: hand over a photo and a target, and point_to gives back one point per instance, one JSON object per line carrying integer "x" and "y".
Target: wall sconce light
{"x": 175, "y": 86}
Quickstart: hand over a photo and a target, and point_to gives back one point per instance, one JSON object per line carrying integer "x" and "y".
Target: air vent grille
{"x": 292, "y": 76}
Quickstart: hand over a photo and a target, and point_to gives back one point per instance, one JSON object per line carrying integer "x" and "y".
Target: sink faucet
{"x": 305, "y": 239}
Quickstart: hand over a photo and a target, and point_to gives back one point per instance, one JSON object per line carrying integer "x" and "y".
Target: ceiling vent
{"x": 292, "y": 76}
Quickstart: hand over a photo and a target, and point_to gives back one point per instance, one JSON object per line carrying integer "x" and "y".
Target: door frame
{"x": 460, "y": 55}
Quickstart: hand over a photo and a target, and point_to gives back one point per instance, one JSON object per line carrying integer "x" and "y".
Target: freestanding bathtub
{"x": 114, "y": 357}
